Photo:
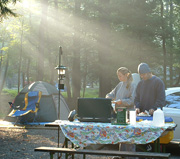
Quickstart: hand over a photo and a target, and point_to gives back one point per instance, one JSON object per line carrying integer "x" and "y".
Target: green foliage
{"x": 109, "y": 34}
{"x": 4, "y": 48}
{"x": 11, "y": 92}
{"x": 5, "y": 10}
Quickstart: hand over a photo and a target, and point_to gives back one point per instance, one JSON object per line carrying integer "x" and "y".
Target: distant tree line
{"x": 97, "y": 37}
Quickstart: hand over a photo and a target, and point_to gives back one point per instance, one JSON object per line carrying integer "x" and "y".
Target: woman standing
{"x": 123, "y": 96}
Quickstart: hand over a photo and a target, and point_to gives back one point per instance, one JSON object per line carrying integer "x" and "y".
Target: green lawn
{"x": 12, "y": 92}
{"x": 89, "y": 93}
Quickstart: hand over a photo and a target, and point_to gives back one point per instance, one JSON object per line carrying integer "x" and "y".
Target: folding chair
{"x": 31, "y": 105}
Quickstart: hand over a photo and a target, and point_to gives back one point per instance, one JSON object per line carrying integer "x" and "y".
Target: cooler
{"x": 164, "y": 139}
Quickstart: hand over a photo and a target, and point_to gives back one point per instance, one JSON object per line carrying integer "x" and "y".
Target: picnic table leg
{"x": 51, "y": 155}
{"x": 84, "y": 155}
{"x": 157, "y": 145}
{"x": 72, "y": 154}
{"x": 58, "y": 155}
{"x": 58, "y": 135}
{"x": 164, "y": 148}
{"x": 66, "y": 145}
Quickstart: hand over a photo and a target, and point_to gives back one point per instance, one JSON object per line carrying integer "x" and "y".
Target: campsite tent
{"x": 48, "y": 105}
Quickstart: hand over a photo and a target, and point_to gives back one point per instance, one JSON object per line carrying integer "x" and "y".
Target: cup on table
{"x": 132, "y": 117}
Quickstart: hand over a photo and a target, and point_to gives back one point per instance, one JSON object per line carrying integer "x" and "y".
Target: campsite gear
{"x": 121, "y": 116}
{"x": 31, "y": 105}
{"x": 13, "y": 106}
{"x": 72, "y": 115}
{"x": 166, "y": 138}
{"x": 158, "y": 117}
{"x": 94, "y": 110}
{"x": 31, "y": 101}
{"x": 48, "y": 103}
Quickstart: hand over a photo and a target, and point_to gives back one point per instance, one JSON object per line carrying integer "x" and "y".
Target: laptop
{"x": 94, "y": 110}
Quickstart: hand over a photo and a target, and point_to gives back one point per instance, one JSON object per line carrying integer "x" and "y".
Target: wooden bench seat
{"x": 53, "y": 150}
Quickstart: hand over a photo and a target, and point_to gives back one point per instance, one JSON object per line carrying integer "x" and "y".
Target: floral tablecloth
{"x": 85, "y": 133}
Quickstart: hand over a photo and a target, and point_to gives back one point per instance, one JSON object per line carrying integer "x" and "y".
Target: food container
{"x": 158, "y": 118}
{"x": 121, "y": 116}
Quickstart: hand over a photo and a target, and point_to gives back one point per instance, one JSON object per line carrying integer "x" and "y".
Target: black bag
{"x": 72, "y": 115}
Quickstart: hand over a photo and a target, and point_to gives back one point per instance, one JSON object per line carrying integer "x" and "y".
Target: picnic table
{"x": 83, "y": 134}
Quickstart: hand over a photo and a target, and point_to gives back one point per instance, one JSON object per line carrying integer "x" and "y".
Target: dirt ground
{"x": 19, "y": 143}
{"x": 16, "y": 143}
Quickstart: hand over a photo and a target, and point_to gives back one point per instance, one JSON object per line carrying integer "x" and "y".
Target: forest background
{"x": 97, "y": 37}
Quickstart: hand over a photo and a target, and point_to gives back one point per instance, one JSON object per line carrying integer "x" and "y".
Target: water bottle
{"x": 158, "y": 118}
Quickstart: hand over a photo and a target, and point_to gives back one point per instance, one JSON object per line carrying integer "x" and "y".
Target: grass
{"x": 89, "y": 93}
{"x": 11, "y": 92}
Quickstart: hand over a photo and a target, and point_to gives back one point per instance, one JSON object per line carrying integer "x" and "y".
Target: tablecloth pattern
{"x": 85, "y": 133}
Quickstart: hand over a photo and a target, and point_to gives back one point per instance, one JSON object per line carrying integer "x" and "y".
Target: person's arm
{"x": 112, "y": 94}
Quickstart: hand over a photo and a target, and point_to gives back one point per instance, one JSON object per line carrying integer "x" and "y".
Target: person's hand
{"x": 117, "y": 102}
{"x": 137, "y": 110}
{"x": 151, "y": 111}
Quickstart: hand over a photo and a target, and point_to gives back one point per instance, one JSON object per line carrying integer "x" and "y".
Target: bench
{"x": 73, "y": 151}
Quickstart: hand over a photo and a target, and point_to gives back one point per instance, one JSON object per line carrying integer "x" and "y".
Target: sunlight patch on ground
{"x": 8, "y": 124}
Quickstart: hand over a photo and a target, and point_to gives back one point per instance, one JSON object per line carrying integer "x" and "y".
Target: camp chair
{"x": 31, "y": 105}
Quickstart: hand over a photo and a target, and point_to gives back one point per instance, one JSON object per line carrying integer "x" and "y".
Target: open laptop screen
{"x": 94, "y": 109}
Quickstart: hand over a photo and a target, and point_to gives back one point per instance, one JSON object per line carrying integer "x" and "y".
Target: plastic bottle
{"x": 158, "y": 118}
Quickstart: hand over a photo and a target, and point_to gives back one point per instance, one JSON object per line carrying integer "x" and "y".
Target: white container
{"x": 158, "y": 118}
{"x": 132, "y": 117}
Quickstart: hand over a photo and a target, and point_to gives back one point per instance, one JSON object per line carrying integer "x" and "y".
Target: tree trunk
{"x": 28, "y": 66}
{"x": 76, "y": 75}
{"x": 23, "y": 79}
{"x": 51, "y": 59}
{"x": 42, "y": 41}
{"x": 67, "y": 81}
{"x": 163, "y": 42}
{"x": 4, "y": 75}
{"x": 85, "y": 74}
{"x": 1, "y": 60}
{"x": 178, "y": 80}
{"x": 171, "y": 43}
{"x": 29, "y": 51}
{"x": 104, "y": 51}
{"x": 20, "y": 56}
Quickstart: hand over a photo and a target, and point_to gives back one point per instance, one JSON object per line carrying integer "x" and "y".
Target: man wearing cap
{"x": 150, "y": 91}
